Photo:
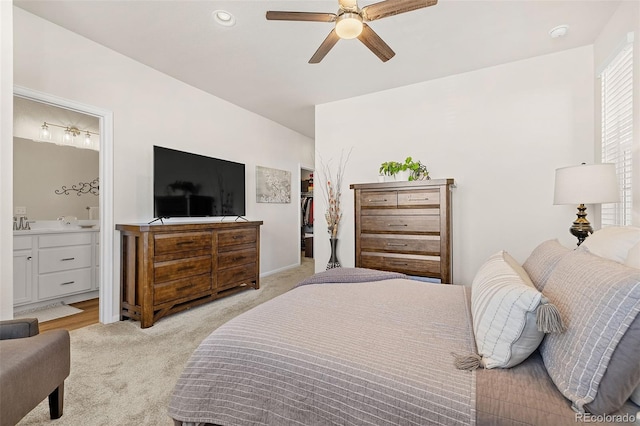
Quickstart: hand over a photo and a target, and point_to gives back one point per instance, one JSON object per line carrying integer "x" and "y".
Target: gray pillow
{"x": 622, "y": 375}
{"x": 543, "y": 260}
{"x": 598, "y": 300}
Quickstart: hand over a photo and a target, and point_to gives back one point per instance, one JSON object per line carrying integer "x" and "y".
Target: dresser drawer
{"x": 230, "y": 277}
{"x": 407, "y": 264}
{"x": 61, "y": 240}
{"x": 172, "y": 290}
{"x": 62, "y": 283}
{"x": 181, "y": 242}
{"x": 408, "y": 199}
{"x": 417, "y": 244}
{"x": 64, "y": 259}
{"x": 234, "y": 237}
{"x": 400, "y": 224}
{"x": 379, "y": 199}
{"x": 236, "y": 257}
{"x": 181, "y": 268}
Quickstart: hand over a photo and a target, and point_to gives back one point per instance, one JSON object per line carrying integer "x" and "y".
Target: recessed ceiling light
{"x": 223, "y": 17}
{"x": 559, "y": 31}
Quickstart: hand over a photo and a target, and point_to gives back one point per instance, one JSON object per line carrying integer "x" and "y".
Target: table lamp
{"x": 586, "y": 184}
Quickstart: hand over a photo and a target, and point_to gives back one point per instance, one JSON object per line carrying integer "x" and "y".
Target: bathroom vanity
{"x": 55, "y": 265}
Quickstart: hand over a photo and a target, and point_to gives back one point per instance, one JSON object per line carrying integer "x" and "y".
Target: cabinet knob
{"x": 29, "y": 258}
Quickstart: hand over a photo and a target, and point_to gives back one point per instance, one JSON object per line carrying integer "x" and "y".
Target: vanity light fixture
{"x": 69, "y": 136}
{"x": 224, "y": 18}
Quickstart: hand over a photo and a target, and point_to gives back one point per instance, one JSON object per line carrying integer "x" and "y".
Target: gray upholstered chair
{"x": 32, "y": 367}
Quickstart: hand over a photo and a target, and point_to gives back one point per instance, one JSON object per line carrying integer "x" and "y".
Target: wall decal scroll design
{"x": 92, "y": 187}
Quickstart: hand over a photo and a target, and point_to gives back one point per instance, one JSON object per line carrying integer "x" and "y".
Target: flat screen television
{"x": 192, "y": 185}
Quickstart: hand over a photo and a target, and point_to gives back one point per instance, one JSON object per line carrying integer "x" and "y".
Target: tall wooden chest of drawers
{"x": 404, "y": 227}
{"x": 169, "y": 268}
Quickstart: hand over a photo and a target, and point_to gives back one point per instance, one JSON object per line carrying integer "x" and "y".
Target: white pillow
{"x": 633, "y": 257}
{"x": 635, "y": 396}
{"x": 503, "y": 304}
{"x": 613, "y": 242}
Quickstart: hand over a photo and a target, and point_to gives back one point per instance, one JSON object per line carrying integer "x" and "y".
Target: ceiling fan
{"x": 350, "y": 22}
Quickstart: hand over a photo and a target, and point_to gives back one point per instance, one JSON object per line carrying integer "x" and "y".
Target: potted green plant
{"x": 417, "y": 170}
{"x": 390, "y": 168}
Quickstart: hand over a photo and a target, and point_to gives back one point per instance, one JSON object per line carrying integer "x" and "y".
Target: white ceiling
{"x": 262, "y": 65}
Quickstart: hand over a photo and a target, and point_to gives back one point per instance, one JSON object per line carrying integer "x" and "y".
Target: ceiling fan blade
{"x": 373, "y": 41}
{"x": 393, "y": 7}
{"x": 301, "y": 16}
{"x": 325, "y": 47}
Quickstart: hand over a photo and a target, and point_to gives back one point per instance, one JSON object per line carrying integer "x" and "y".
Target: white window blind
{"x": 617, "y": 131}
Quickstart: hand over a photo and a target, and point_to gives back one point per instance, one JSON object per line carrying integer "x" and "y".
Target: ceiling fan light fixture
{"x": 349, "y": 25}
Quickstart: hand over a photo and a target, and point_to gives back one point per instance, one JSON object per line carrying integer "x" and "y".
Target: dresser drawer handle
{"x": 376, "y": 201}
{"x": 184, "y": 287}
{"x": 396, "y": 245}
{"x": 418, "y": 199}
{"x": 67, "y": 258}
{"x": 185, "y": 268}
{"x": 397, "y": 224}
{"x": 181, "y": 243}
{"x": 399, "y": 263}
{"x": 67, "y": 283}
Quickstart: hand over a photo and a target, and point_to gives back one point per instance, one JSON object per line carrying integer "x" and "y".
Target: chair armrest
{"x": 18, "y": 328}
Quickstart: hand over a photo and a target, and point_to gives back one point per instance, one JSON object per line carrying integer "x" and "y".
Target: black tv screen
{"x": 192, "y": 185}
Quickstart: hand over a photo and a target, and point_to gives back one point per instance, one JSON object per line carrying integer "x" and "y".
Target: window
{"x": 617, "y": 130}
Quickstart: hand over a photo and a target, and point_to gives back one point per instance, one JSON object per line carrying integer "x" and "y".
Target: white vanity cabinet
{"x": 22, "y": 270}
{"x": 50, "y": 267}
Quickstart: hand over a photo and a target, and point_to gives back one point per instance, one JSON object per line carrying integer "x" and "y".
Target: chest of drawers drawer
{"x": 185, "y": 287}
{"x": 181, "y": 242}
{"x": 64, "y": 258}
{"x": 415, "y": 244}
{"x": 230, "y": 277}
{"x": 406, "y": 264}
{"x": 379, "y": 199}
{"x": 235, "y": 237}
{"x": 229, "y": 259}
{"x": 182, "y": 268}
{"x": 400, "y": 224}
{"x": 412, "y": 199}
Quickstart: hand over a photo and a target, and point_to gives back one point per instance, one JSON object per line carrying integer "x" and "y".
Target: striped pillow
{"x": 503, "y": 305}
{"x": 598, "y": 300}
{"x": 539, "y": 265}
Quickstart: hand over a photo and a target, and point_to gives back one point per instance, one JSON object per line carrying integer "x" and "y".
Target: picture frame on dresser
{"x": 405, "y": 227}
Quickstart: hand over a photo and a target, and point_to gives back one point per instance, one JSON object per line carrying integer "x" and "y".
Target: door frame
{"x": 107, "y": 312}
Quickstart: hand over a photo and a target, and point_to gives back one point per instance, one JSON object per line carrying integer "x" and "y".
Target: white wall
{"x": 6, "y": 159}
{"x": 500, "y": 132}
{"x": 626, "y": 19}
{"x": 152, "y": 108}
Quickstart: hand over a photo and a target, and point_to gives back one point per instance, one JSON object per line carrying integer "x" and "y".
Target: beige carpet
{"x": 123, "y": 375}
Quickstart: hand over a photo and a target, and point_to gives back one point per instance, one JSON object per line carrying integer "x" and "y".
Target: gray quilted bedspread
{"x": 370, "y": 353}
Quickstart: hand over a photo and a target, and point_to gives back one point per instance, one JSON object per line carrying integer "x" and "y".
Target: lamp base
{"x": 581, "y": 227}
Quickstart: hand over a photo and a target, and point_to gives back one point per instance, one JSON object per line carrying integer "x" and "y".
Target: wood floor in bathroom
{"x": 88, "y": 316}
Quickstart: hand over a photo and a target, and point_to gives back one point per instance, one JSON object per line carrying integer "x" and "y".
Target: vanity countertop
{"x": 59, "y": 227}
{"x": 56, "y": 231}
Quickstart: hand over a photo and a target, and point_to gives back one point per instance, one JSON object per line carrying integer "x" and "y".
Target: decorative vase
{"x": 333, "y": 260}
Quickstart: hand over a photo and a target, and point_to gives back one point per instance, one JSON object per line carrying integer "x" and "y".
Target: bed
{"x": 362, "y": 347}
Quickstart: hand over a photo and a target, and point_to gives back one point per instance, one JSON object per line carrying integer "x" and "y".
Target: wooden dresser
{"x": 169, "y": 268}
{"x": 404, "y": 227}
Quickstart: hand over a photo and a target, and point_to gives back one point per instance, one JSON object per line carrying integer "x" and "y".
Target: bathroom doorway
{"x": 86, "y": 203}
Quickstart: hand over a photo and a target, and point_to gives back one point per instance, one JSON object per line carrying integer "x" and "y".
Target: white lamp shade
{"x": 587, "y": 184}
